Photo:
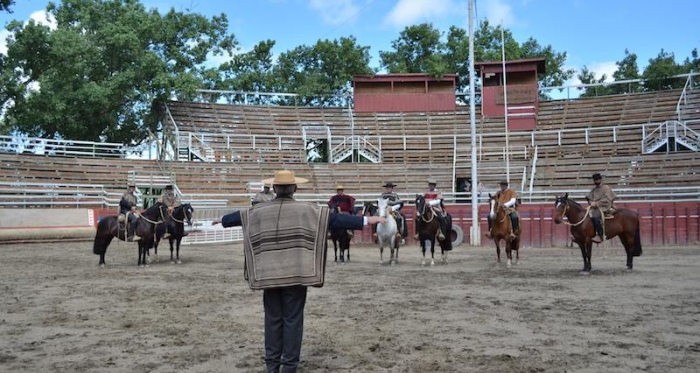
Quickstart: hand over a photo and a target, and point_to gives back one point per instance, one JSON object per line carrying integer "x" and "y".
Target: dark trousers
{"x": 284, "y": 327}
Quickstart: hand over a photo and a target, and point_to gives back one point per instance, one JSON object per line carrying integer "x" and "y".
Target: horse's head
{"x": 157, "y": 212}
{"x": 421, "y": 206}
{"x": 494, "y": 206}
{"x": 383, "y": 207}
{"x": 561, "y": 204}
{"x": 186, "y": 211}
{"x": 369, "y": 209}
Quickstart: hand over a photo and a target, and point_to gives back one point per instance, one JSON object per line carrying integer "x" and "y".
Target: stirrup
{"x": 135, "y": 238}
{"x": 166, "y": 235}
{"x": 488, "y": 234}
{"x": 512, "y": 236}
{"x": 350, "y": 233}
{"x": 415, "y": 236}
{"x": 441, "y": 236}
{"x": 597, "y": 239}
{"x": 374, "y": 235}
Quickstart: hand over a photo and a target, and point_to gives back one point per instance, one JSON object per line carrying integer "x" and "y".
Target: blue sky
{"x": 594, "y": 33}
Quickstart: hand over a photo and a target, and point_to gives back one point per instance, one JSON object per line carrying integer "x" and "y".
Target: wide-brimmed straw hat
{"x": 285, "y": 177}
{"x": 432, "y": 181}
{"x": 389, "y": 184}
{"x": 339, "y": 187}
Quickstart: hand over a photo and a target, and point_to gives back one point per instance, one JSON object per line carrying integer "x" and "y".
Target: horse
{"x": 428, "y": 226}
{"x": 500, "y": 230}
{"x": 109, "y": 227}
{"x": 176, "y": 227}
{"x": 623, "y": 223}
{"x": 340, "y": 238}
{"x": 386, "y": 232}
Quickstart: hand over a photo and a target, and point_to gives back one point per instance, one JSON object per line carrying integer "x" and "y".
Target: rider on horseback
{"x": 345, "y": 203}
{"x": 171, "y": 200}
{"x": 600, "y": 198}
{"x": 433, "y": 197}
{"x": 394, "y": 200}
{"x": 127, "y": 207}
{"x": 508, "y": 198}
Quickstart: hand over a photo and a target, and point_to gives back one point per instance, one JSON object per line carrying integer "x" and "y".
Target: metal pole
{"x": 475, "y": 230}
{"x": 505, "y": 101}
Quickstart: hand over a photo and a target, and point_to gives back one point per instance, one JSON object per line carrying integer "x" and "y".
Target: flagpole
{"x": 505, "y": 101}
{"x": 475, "y": 230}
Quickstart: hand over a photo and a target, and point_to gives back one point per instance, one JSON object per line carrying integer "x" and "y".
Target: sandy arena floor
{"x": 61, "y": 313}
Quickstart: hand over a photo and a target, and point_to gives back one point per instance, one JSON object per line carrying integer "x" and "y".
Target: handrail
{"x": 684, "y": 97}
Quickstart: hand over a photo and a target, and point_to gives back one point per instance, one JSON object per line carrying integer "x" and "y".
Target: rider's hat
{"x": 389, "y": 184}
{"x": 432, "y": 181}
{"x": 596, "y": 176}
{"x": 503, "y": 182}
{"x": 169, "y": 186}
{"x": 285, "y": 177}
{"x": 132, "y": 185}
{"x": 267, "y": 185}
{"x": 339, "y": 187}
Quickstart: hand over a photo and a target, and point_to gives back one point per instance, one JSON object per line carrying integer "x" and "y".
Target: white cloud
{"x": 335, "y": 12}
{"x": 497, "y": 12}
{"x": 40, "y": 17}
{"x": 598, "y": 68}
{"x": 410, "y": 12}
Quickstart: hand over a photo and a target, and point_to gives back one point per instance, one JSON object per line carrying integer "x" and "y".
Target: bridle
{"x": 497, "y": 208}
{"x": 566, "y": 207}
{"x": 423, "y": 210}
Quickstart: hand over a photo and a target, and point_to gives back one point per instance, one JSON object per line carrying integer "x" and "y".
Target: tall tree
{"x": 321, "y": 73}
{"x": 658, "y": 73}
{"x": 249, "y": 72}
{"x": 96, "y": 75}
{"x": 6, "y": 4}
{"x": 420, "y": 49}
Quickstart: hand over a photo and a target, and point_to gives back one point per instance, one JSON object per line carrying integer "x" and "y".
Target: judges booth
{"x": 515, "y": 90}
{"x": 404, "y": 93}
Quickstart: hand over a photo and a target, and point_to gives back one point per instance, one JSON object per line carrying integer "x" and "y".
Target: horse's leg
{"x": 177, "y": 250}
{"x": 101, "y": 244}
{"x": 381, "y": 250}
{"x": 582, "y": 246}
{"x": 422, "y": 248}
{"x": 172, "y": 249}
{"x": 432, "y": 251}
{"x": 498, "y": 249}
{"x": 509, "y": 251}
{"x": 628, "y": 243}
{"x": 392, "y": 242}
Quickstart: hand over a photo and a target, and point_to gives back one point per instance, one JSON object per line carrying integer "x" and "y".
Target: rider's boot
{"x": 488, "y": 234}
{"x": 351, "y": 233}
{"x": 514, "y": 225}
{"x": 166, "y": 235}
{"x": 598, "y": 238}
{"x": 443, "y": 227}
{"x": 134, "y": 237}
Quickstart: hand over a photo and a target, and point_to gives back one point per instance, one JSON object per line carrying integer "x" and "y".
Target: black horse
{"x": 175, "y": 225}
{"x": 427, "y": 226}
{"x": 109, "y": 227}
{"x": 341, "y": 239}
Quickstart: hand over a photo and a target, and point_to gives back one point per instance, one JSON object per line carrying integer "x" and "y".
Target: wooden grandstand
{"x": 238, "y": 144}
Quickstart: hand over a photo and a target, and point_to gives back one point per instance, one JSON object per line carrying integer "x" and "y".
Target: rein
{"x": 422, "y": 214}
{"x": 585, "y": 215}
{"x": 504, "y": 214}
{"x": 151, "y": 221}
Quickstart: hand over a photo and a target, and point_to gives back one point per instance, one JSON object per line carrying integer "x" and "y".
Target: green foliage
{"x": 420, "y": 49}
{"x": 659, "y": 70}
{"x": 96, "y": 75}
{"x": 5, "y": 5}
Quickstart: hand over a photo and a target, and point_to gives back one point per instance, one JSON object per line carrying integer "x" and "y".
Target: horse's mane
{"x": 575, "y": 203}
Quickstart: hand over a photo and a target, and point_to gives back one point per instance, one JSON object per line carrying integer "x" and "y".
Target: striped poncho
{"x": 285, "y": 243}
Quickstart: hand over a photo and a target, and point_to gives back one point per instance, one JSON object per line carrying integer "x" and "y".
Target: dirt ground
{"x": 61, "y": 313}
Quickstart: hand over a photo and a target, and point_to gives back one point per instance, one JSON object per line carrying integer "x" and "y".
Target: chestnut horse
{"x": 109, "y": 227}
{"x": 500, "y": 230}
{"x": 427, "y": 226}
{"x": 623, "y": 223}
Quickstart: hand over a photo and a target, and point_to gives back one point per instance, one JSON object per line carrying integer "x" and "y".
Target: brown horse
{"x": 427, "y": 226}
{"x": 109, "y": 227}
{"x": 623, "y": 223}
{"x": 500, "y": 230}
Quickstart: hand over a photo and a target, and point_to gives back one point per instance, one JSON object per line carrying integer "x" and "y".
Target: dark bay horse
{"x": 623, "y": 223}
{"x": 386, "y": 232}
{"x": 109, "y": 227}
{"x": 341, "y": 239}
{"x": 175, "y": 225}
{"x": 427, "y": 226}
{"x": 500, "y": 230}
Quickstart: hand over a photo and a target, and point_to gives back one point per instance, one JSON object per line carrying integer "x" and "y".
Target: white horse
{"x": 387, "y": 232}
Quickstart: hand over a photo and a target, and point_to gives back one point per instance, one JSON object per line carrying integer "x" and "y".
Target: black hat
{"x": 168, "y": 187}
{"x": 389, "y": 184}
{"x": 503, "y": 182}
{"x": 596, "y": 176}
{"x": 131, "y": 186}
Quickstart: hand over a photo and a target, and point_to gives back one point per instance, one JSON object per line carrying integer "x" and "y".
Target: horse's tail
{"x": 637, "y": 249}
{"x": 99, "y": 246}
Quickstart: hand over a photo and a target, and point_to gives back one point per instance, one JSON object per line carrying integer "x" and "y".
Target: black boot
{"x": 134, "y": 225}
{"x": 443, "y": 227}
{"x": 513, "y": 225}
{"x": 598, "y": 238}
{"x": 488, "y": 219}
